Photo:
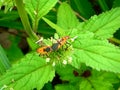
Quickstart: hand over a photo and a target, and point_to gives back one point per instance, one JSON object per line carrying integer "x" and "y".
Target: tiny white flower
{"x": 56, "y": 36}
{"x": 13, "y": 80}
{"x": 64, "y": 62}
{"x": 4, "y": 86}
{"x": 11, "y": 88}
{"x": 69, "y": 59}
{"x": 53, "y": 64}
{"x": 35, "y": 12}
{"x": 47, "y": 59}
{"x": 73, "y": 39}
{"x": 41, "y": 39}
{"x": 53, "y": 40}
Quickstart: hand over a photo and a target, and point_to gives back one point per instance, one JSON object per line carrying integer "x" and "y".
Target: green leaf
{"x": 54, "y": 26}
{"x": 38, "y": 8}
{"x": 84, "y": 8}
{"x": 104, "y": 76}
{"x": 13, "y": 15}
{"x": 14, "y": 52}
{"x": 4, "y": 62}
{"x": 66, "y": 18}
{"x": 99, "y": 81}
{"x": 10, "y": 20}
{"x": 8, "y": 4}
{"x": 12, "y": 24}
{"x": 45, "y": 29}
{"x": 116, "y": 3}
{"x": 85, "y": 85}
{"x": 103, "y": 5}
{"x": 24, "y": 19}
{"x": 98, "y": 54}
{"x": 66, "y": 87}
{"x": 103, "y": 25}
{"x": 66, "y": 73}
{"x": 95, "y": 85}
{"x": 32, "y": 44}
{"x": 17, "y": 53}
{"x": 31, "y": 72}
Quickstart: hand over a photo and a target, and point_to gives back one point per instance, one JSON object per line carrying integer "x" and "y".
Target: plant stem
{"x": 117, "y": 41}
{"x": 36, "y": 21}
{"x": 79, "y": 16}
{"x": 76, "y": 13}
{"x": 24, "y": 19}
{"x": 35, "y": 25}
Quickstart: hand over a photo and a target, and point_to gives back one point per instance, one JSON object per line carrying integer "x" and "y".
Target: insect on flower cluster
{"x": 62, "y": 57}
{"x": 55, "y": 46}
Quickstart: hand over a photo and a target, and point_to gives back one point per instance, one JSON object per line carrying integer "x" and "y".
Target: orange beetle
{"x": 59, "y": 43}
{"x": 55, "y": 46}
{"x": 63, "y": 40}
{"x": 44, "y": 50}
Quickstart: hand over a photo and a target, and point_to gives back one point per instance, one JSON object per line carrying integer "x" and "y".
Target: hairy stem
{"x": 24, "y": 19}
{"x": 117, "y": 41}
